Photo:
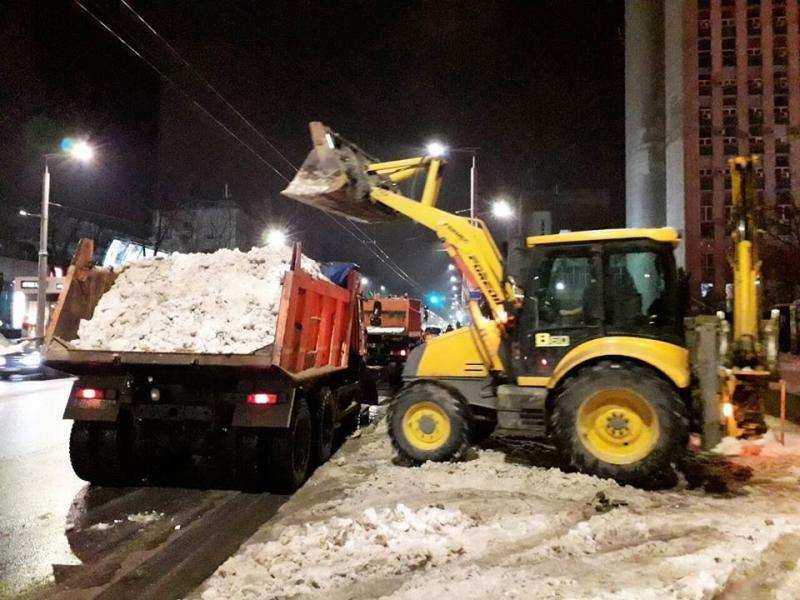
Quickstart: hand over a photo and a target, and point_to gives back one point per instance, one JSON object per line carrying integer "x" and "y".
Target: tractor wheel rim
{"x": 426, "y": 426}
{"x": 618, "y": 426}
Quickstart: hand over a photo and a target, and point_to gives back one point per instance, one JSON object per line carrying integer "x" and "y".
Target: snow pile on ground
{"x": 767, "y": 445}
{"x": 505, "y": 524}
{"x": 226, "y": 302}
{"x": 321, "y": 556}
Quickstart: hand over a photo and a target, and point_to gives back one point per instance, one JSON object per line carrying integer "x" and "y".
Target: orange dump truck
{"x": 394, "y": 327}
{"x": 259, "y": 419}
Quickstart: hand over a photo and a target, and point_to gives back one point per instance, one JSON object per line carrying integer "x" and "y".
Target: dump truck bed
{"x": 318, "y": 326}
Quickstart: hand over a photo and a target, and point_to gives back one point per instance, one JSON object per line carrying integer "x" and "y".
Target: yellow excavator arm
{"x": 745, "y": 262}
{"x": 338, "y": 176}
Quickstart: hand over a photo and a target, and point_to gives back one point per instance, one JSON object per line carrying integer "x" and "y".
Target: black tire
{"x": 456, "y": 443}
{"x": 654, "y": 469}
{"x": 324, "y": 427}
{"x": 101, "y": 453}
{"x": 369, "y": 389}
{"x": 252, "y": 459}
{"x": 83, "y": 451}
{"x": 290, "y": 452}
{"x": 395, "y": 374}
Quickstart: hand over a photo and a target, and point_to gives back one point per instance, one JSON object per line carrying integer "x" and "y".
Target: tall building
{"x": 706, "y": 80}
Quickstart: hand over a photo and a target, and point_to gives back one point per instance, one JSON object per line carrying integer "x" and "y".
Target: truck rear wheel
{"x": 290, "y": 452}
{"x": 428, "y": 422}
{"x": 620, "y": 421}
{"x": 83, "y": 451}
{"x": 275, "y": 460}
{"x": 323, "y": 427}
{"x": 100, "y": 453}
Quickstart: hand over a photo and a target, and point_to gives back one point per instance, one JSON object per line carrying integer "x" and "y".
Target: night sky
{"x": 537, "y": 86}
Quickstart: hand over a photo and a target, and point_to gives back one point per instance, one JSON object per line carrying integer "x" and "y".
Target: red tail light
{"x": 90, "y": 394}
{"x": 262, "y": 398}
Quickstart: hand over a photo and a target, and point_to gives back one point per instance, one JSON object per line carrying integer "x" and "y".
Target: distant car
{"x": 20, "y": 357}
{"x": 431, "y": 332}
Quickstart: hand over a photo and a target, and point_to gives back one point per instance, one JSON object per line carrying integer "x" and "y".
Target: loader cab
{"x": 585, "y": 286}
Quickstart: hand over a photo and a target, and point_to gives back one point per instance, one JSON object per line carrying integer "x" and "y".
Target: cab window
{"x": 639, "y": 291}
{"x": 562, "y": 291}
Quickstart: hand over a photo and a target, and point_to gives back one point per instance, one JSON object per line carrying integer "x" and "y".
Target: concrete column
{"x": 676, "y": 98}
{"x": 645, "y": 182}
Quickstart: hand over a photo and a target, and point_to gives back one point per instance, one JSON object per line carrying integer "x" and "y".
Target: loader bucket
{"x": 334, "y": 178}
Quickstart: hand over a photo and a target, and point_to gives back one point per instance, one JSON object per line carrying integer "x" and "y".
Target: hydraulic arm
{"x": 338, "y": 176}
{"x": 746, "y": 339}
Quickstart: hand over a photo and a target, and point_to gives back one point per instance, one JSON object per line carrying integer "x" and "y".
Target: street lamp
{"x": 276, "y": 238}
{"x": 81, "y": 151}
{"x": 502, "y": 209}
{"x": 436, "y": 149}
{"x": 383, "y": 289}
{"x": 365, "y": 281}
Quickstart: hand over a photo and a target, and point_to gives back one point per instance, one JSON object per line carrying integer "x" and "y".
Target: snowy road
{"x": 503, "y": 524}
{"x": 62, "y": 538}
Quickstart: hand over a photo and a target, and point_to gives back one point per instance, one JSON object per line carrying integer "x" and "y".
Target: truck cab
{"x": 394, "y": 328}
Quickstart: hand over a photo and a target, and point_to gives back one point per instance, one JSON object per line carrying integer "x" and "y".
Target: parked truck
{"x": 394, "y": 327}
{"x": 265, "y": 417}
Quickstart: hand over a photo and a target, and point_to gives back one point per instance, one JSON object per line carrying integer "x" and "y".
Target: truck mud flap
{"x": 103, "y": 410}
{"x": 275, "y": 416}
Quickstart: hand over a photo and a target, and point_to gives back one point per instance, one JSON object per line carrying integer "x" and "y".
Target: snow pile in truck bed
{"x": 221, "y": 303}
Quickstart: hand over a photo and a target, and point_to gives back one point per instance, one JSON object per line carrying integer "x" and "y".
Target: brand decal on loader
{"x": 545, "y": 340}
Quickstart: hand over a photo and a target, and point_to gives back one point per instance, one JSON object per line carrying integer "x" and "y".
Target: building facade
{"x": 707, "y": 80}
{"x": 204, "y": 226}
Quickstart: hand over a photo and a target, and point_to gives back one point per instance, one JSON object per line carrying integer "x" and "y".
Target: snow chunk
{"x": 221, "y": 303}
{"x": 729, "y": 446}
{"x": 767, "y": 445}
{"x": 323, "y": 556}
{"x": 145, "y": 518}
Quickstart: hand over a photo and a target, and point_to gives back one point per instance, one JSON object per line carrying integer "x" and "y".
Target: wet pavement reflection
{"x": 60, "y": 537}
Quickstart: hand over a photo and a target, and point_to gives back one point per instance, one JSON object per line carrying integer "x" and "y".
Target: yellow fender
{"x": 670, "y": 359}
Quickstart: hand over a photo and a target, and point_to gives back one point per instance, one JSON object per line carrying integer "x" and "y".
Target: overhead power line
{"x": 351, "y": 228}
{"x": 375, "y": 249}
{"x": 208, "y": 85}
{"x": 194, "y": 102}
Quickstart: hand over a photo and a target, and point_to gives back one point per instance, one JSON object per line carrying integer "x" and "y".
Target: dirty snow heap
{"x": 226, "y": 302}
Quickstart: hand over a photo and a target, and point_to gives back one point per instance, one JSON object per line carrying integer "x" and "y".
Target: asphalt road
{"x": 61, "y": 538}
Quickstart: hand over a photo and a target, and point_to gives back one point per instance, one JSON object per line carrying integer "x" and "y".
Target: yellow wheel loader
{"x": 587, "y": 347}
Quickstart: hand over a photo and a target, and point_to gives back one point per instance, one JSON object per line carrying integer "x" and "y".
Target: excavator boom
{"x": 339, "y": 177}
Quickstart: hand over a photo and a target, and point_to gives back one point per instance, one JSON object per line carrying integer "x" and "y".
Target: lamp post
{"x": 83, "y": 152}
{"x": 41, "y": 288}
